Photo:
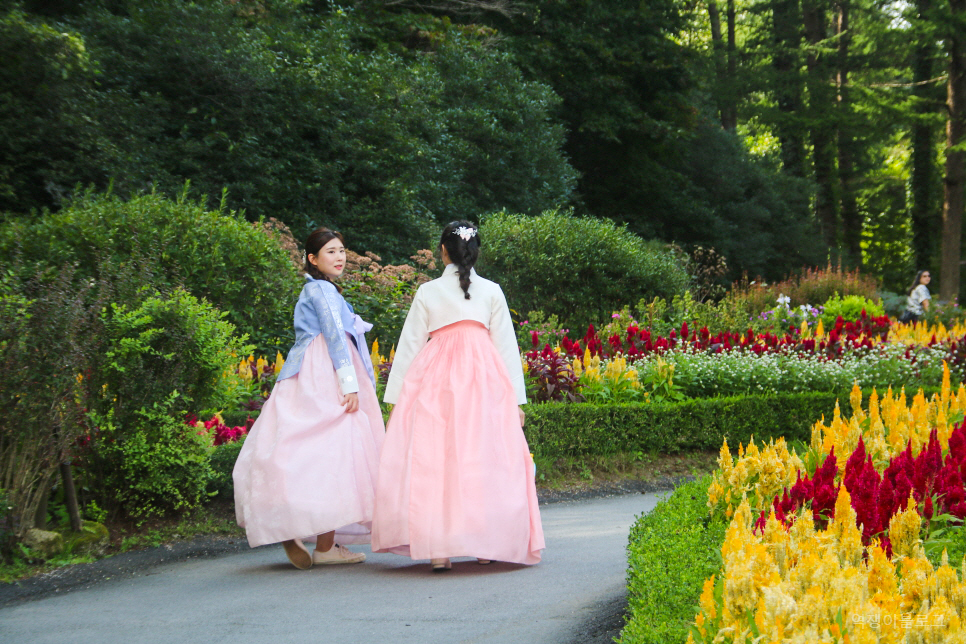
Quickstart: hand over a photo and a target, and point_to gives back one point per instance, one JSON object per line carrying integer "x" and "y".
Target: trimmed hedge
{"x": 671, "y": 551}
{"x": 583, "y": 429}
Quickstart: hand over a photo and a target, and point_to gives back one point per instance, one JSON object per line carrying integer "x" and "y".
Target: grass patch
{"x": 576, "y": 472}
{"x": 671, "y": 551}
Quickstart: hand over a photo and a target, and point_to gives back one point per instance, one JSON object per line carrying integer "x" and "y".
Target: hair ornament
{"x": 465, "y": 233}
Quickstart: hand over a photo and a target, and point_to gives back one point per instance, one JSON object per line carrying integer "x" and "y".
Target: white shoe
{"x": 297, "y": 554}
{"x": 337, "y": 555}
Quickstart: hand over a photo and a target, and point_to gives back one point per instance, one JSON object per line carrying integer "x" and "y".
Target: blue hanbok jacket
{"x": 321, "y": 309}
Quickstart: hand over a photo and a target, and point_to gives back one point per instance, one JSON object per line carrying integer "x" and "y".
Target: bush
{"x": 223, "y": 460}
{"x": 671, "y": 551}
{"x": 164, "y": 346}
{"x": 577, "y": 268}
{"x": 156, "y": 464}
{"x": 850, "y": 307}
{"x": 49, "y": 333}
{"x": 584, "y": 429}
{"x": 214, "y": 254}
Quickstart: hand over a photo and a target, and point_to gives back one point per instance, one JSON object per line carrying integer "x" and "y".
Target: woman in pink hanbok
{"x": 456, "y": 476}
{"x": 308, "y": 467}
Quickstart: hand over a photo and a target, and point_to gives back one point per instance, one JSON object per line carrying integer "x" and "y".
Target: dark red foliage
{"x": 552, "y": 375}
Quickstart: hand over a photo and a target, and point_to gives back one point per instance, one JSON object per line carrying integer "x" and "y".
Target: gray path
{"x": 257, "y": 596}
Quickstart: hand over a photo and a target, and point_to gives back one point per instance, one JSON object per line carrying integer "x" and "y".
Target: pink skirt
{"x": 456, "y": 476}
{"x": 307, "y": 466}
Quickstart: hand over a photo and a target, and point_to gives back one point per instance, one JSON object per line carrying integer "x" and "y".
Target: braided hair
{"x": 462, "y": 252}
{"x": 316, "y": 240}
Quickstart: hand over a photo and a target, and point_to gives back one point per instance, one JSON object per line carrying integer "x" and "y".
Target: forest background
{"x": 782, "y": 133}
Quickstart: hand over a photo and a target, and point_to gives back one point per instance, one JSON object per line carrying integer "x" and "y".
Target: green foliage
{"x": 49, "y": 333}
{"x": 577, "y": 268}
{"x": 46, "y": 139}
{"x": 165, "y": 346}
{"x": 214, "y": 254}
{"x": 223, "y": 460}
{"x": 374, "y": 122}
{"x": 155, "y": 464}
{"x": 571, "y": 430}
{"x": 671, "y": 551}
{"x": 850, "y": 308}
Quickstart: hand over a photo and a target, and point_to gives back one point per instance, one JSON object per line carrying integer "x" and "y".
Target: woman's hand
{"x": 925, "y": 305}
{"x": 523, "y": 417}
{"x": 350, "y": 402}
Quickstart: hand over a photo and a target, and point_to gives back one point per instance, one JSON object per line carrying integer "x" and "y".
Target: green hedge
{"x": 670, "y": 553}
{"x": 583, "y": 429}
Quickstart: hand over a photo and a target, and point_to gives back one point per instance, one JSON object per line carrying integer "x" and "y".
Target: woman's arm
{"x": 505, "y": 341}
{"x": 328, "y": 304}
{"x": 415, "y": 333}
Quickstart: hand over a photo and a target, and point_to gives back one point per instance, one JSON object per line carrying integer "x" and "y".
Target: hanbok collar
{"x": 452, "y": 270}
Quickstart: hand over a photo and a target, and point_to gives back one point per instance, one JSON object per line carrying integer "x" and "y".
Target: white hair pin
{"x": 465, "y": 233}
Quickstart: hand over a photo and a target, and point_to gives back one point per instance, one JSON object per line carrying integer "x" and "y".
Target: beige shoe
{"x": 337, "y": 555}
{"x": 483, "y": 562}
{"x": 297, "y": 554}
{"x": 440, "y": 565}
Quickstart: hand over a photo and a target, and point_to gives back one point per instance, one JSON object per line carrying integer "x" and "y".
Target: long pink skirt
{"x": 307, "y": 466}
{"x": 456, "y": 477}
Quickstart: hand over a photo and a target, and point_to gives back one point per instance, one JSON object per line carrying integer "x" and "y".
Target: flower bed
{"x": 634, "y": 365}
{"x": 849, "y": 540}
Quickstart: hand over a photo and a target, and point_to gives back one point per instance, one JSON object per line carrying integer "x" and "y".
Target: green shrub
{"x": 578, "y": 268}
{"x": 165, "y": 345}
{"x": 671, "y": 551}
{"x": 850, "y": 307}
{"x": 50, "y": 332}
{"x": 583, "y": 429}
{"x": 223, "y": 460}
{"x": 156, "y": 464}
{"x": 214, "y": 254}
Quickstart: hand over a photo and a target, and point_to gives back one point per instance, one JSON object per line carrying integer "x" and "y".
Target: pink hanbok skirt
{"x": 456, "y": 476}
{"x": 307, "y": 466}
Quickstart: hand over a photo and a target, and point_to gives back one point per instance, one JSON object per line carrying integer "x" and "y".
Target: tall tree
{"x": 955, "y": 179}
{"x": 820, "y": 113}
{"x": 923, "y": 208}
{"x": 849, "y": 209}
{"x": 786, "y": 25}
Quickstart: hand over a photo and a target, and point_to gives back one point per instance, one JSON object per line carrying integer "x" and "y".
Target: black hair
{"x": 462, "y": 252}
{"x": 917, "y": 281}
{"x": 316, "y": 240}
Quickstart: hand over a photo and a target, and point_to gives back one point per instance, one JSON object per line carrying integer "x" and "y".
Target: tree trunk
{"x": 851, "y": 219}
{"x": 788, "y": 85}
{"x": 730, "y": 117}
{"x": 924, "y": 213}
{"x": 720, "y": 65}
{"x": 821, "y": 109}
{"x": 955, "y": 180}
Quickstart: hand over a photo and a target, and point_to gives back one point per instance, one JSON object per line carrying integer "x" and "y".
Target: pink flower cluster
{"x": 222, "y": 432}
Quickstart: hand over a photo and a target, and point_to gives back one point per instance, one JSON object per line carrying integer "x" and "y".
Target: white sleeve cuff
{"x": 348, "y": 382}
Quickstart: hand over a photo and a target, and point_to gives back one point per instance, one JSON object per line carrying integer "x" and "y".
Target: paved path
{"x": 256, "y": 596}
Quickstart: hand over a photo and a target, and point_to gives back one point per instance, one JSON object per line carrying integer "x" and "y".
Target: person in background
{"x": 918, "y": 301}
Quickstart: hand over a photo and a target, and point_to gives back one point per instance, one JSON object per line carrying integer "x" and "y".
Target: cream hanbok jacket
{"x": 441, "y": 302}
